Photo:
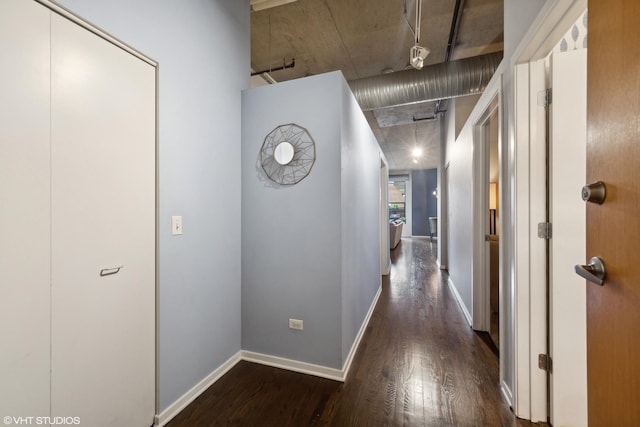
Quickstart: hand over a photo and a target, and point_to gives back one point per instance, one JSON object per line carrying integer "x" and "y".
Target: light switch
{"x": 176, "y": 225}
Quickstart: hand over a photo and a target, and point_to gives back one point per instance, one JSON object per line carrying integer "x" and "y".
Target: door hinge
{"x": 544, "y": 362}
{"x": 544, "y": 98}
{"x": 544, "y": 230}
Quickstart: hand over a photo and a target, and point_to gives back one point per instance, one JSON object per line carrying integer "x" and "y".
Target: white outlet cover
{"x": 296, "y": 324}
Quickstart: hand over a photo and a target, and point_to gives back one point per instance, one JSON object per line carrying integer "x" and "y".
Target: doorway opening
{"x": 489, "y": 302}
{"x": 487, "y": 189}
{"x": 400, "y": 202}
{"x": 491, "y": 130}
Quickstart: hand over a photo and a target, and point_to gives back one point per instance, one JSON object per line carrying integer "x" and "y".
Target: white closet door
{"x": 24, "y": 209}
{"x": 103, "y": 217}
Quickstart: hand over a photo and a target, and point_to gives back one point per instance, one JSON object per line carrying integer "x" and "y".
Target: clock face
{"x": 288, "y": 154}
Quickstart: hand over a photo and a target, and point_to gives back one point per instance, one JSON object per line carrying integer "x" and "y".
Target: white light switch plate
{"x": 176, "y": 225}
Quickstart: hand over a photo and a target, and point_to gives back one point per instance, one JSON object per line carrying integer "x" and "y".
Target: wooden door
{"x": 103, "y": 218}
{"x": 613, "y": 228}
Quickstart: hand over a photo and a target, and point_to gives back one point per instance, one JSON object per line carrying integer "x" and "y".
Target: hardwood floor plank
{"x": 418, "y": 364}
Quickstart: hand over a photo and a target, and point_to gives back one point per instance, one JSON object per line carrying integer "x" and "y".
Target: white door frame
{"x": 407, "y": 230}
{"x": 531, "y": 209}
{"x": 481, "y": 289}
{"x": 551, "y": 24}
{"x": 567, "y": 212}
{"x": 443, "y": 212}
{"x": 442, "y": 207}
{"x": 385, "y": 251}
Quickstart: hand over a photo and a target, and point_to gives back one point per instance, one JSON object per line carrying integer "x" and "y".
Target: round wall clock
{"x": 288, "y": 154}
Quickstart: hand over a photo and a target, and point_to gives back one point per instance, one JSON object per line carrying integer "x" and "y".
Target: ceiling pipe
{"x": 453, "y": 32}
{"x": 284, "y": 66}
{"x": 453, "y": 37}
{"x": 462, "y": 77}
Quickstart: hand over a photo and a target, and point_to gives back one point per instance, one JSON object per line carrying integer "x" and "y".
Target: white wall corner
{"x": 464, "y": 309}
{"x": 387, "y": 269}
{"x": 356, "y": 343}
{"x": 176, "y": 407}
{"x": 310, "y": 368}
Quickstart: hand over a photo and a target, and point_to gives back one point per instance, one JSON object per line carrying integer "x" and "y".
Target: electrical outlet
{"x": 296, "y": 324}
{"x": 176, "y": 225}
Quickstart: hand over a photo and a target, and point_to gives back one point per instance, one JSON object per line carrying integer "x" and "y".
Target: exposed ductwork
{"x": 439, "y": 81}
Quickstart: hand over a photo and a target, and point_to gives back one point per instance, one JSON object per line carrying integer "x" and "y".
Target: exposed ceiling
{"x": 364, "y": 38}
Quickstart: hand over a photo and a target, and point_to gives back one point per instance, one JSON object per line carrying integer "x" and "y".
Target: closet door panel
{"x": 24, "y": 209}
{"x": 103, "y": 218}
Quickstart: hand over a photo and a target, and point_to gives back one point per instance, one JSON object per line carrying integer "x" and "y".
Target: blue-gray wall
{"x": 301, "y": 243}
{"x": 424, "y": 203}
{"x": 291, "y": 252}
{"x": 199, "y": 171}
{"x": 360, "y": 199}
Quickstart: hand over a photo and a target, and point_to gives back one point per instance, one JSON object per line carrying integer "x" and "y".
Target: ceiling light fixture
{"x": 418, "y": 53}
{"x": 417, "y": 152}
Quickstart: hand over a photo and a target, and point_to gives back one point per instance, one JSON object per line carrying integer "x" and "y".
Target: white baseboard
{"x": 506, "y": 392}
{"x": 363, "y": 327}
{"x": 466, "y": 313}
{"x": 174, "y": 409}
{"x": 310, "y": 368}
{"x": 293, "y": 365}
{"x": 264, "y": 359}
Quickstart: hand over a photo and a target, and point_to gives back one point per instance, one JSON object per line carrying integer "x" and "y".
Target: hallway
{"x": 419, "y": 364}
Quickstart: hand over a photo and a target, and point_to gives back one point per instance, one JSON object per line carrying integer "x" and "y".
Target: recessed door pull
{"x": 110, "y": 271}
{"x": 594, "y": 193}
{"x": 595, "y": 271}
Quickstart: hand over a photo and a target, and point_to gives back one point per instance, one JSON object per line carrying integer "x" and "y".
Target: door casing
{"x": 567, "y": 298}
{"x": 552, "y": 23}
{"x": 481, "y": 288}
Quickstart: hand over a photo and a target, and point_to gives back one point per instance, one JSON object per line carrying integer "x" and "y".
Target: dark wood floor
{"x": 418, "y": 364}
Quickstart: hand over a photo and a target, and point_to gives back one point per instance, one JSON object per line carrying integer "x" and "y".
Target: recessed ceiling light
{"x": 415, "y": 161}
{"x": 417, "y": 152}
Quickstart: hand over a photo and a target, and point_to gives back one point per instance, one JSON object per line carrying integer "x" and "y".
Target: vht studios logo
{"x": 54, "y": 421}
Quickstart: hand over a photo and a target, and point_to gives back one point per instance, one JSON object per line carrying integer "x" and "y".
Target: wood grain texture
{"x": 418, "y": 364}
{"x": 613, "y": 228}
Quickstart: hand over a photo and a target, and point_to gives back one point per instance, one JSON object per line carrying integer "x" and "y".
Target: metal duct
{"x": 439, "y": 81}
